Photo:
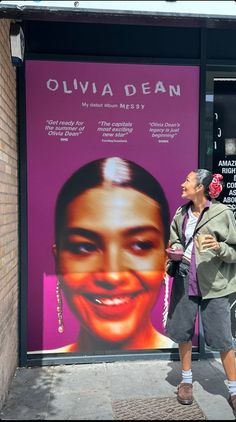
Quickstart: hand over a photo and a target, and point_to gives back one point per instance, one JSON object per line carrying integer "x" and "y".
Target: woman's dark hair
{"x": 113, "y": 171}
{"x": 204, "y": 177}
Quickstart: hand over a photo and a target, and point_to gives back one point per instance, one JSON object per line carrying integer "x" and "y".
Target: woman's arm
{"x": 226, "y": 250}
{"x": 175, "y": 232}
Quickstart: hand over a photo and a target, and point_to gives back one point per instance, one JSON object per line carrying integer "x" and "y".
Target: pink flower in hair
{"x": 215, "y": 186}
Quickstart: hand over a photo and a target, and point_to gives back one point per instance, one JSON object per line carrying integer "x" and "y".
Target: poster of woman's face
{"x": 105, "y": 143}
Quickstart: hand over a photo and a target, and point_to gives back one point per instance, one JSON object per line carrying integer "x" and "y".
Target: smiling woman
{"x": 111, "y": 231}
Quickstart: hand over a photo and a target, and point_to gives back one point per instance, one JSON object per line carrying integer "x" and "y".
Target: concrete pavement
{"x": 117, "y": 390}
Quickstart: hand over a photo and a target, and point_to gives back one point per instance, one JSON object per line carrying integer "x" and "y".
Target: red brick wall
{"x": 8, "y": 216}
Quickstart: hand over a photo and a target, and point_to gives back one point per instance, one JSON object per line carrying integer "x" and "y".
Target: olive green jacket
{"x": 216, "y": 270}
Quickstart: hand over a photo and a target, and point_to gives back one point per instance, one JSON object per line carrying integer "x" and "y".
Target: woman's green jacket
{"x": 216, "y": 270}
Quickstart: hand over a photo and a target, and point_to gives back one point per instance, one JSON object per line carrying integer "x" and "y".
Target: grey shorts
{"x": 183, "y": 310}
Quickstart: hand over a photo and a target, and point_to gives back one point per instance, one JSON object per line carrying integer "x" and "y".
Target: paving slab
{"x": 142, "y": 390}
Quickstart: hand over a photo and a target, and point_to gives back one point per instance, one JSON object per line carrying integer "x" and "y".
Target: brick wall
{"x": 8, "y": 216}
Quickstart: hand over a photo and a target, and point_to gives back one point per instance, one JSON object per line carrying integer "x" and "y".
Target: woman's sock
{"x": 187, "y": 376}
{"x": 232, "y": 387}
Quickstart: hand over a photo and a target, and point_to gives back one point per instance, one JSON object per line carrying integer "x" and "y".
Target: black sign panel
{"x": 224, "y": 151}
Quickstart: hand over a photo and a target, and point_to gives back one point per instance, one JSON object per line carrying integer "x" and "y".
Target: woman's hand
{"x": 174, "y": 253}
{"x": 209, "y": 242}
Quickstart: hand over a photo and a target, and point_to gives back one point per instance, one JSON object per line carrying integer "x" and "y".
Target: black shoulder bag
{"x": 172, "y": 267}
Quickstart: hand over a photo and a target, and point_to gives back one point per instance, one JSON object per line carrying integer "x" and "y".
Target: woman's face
{"x": 190, "y": 187}
{"x": 111, "y": 260}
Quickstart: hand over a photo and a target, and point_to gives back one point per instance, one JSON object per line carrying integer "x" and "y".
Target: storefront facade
{"x": 153, "y": 88}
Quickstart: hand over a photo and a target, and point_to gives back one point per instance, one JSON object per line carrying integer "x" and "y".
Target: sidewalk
{"x": 133, "y": 390}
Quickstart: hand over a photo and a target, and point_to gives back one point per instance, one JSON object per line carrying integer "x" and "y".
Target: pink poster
{"x": 106, "y": 124}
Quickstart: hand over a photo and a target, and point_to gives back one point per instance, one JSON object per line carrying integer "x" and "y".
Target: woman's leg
{"x": 228, "y": 362}
{"x": 180, "y": 325}
{"x": 185, "y": 388}
{"x": 216, "y": 321}
{"x": 185, "y": 353}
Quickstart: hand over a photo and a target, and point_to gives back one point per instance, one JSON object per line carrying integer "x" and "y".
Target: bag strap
{"x": 184, "y": 224}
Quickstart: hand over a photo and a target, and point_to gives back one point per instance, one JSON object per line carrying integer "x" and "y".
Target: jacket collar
{"x": 211, "y": 210}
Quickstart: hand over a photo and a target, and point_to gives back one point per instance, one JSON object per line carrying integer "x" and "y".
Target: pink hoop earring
{"x": 59, "y": 308}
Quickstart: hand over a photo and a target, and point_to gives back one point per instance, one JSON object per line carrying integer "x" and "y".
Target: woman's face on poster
{"x": 111, "y": 260}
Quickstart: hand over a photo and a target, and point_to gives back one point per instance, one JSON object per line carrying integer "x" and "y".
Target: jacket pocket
{"x": 210, "y": 276}
{"x": 220, "y": 282}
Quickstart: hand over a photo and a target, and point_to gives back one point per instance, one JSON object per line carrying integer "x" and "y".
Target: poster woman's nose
{"x": 112, "y": 265}
{"x": 112, "y": 258}
{"x": 110, "y": 279}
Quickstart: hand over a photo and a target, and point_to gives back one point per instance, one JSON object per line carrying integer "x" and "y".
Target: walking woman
{"x": 205, "y": 278}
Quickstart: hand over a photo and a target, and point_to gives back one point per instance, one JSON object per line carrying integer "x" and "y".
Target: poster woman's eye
{"x": 82, "y": 248}
{"x": 142, "y": 246}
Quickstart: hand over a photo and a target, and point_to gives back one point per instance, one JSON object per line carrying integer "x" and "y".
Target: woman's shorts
{"x": 183, "y": 310}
